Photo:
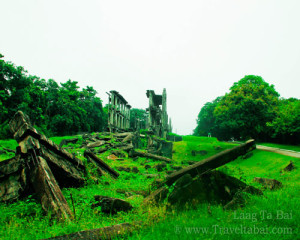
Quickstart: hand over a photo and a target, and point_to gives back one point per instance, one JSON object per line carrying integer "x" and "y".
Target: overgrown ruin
{"x": 158, "y": 117}
{"x": 42, "y": 168}
{"x": 118, "y": 112}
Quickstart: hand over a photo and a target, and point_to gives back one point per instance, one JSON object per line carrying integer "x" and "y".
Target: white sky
{"x": 194, "y": 49}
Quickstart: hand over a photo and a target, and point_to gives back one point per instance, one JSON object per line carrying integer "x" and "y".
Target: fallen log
{"x": 109, "y": 232}
{"x": 101, "y": 164}
{"x": 137, "y": 153}
{"x": 212, "y": 162}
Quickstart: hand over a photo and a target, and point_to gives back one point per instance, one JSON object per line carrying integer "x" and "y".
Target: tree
{"x": 139, "y": 115}
{"x": 56, "y": 109}
{"x": 286, "y": 125}
{"x": 206, "y": 119}
{"x": 246, "y": 109}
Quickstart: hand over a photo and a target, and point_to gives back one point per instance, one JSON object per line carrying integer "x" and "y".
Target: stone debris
{"x": 201, "y": 152}
{"x": 111, "y": 205}
{"x": 271, "y": 184}
{"x": 42, "y": 167}
{"x": 212, "y": 162}
{"x": 289, "y": 167}
{"x": 105, "y": 233}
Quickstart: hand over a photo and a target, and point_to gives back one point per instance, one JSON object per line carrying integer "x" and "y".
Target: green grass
{"x": 18, "y": 217}
{"x": 183, "y": 150}
{"x": 266, "y": 213}
{"x": 282, "y": 146}
{"x": 25, "y": 219}
{"x": 10, "y": 144}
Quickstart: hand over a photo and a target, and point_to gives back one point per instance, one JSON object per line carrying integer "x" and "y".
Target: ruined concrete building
{"x": 158, "y": 117}
{"x": 118, "y": 112}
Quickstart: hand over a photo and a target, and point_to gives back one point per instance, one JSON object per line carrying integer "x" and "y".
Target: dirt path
{"x": 280, "y": 151}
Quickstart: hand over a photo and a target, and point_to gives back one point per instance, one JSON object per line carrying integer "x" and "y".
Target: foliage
{"x": 56, "y": 109}
{"x": 252, "y": 109}
{"x": 206, "y": 122}
{"x": 138, "y": 116}
{"x": 183, "y": 149}
{"x": 286, "y": 125}
{"x": 155, "y": 222}
{"x": 246, "y": 109}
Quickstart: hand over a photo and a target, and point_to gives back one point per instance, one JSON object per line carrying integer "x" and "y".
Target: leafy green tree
{"x": 139, "y": 115}
{"x": 206, "y": 122}
{"x": 55, "y": 109}
{"x": 246, "y": 109}
{"x": 286, "y": 125}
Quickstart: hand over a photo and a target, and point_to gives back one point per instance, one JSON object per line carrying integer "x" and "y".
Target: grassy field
{"x": 274, "y": 215}
{"x": 7, "y": 144}
{"x": 275, "y": 212}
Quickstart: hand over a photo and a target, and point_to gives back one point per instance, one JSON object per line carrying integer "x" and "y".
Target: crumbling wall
{"x": 118, "y": 112}
{"x": 158, "y": 117}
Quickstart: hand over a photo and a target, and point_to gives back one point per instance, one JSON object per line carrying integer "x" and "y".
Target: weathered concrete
{"x": 212, "y": 162}
{"x": 118, "y": 112}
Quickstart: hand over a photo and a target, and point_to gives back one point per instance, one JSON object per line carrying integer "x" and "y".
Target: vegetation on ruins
{"x": 57, "y": 109}
{"x": 138, "y": 115}
{"x": 174, "y": 187}
{"x": 252, "y": 109}
{"x": 25, "y": 218}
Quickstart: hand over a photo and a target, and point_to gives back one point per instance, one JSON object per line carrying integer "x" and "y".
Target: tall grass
{"x": 25, "y": 219}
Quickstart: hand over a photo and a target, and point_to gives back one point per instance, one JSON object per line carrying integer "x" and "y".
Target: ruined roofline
{"x": 157, "y": 98}
{"x": 120, "y": 96}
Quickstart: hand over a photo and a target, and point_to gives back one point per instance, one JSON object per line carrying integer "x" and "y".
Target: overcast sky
{"x": 194, "y": 49}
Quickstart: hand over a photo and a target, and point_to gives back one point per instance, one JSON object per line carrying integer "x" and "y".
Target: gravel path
{"x": 280, "y": 151}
